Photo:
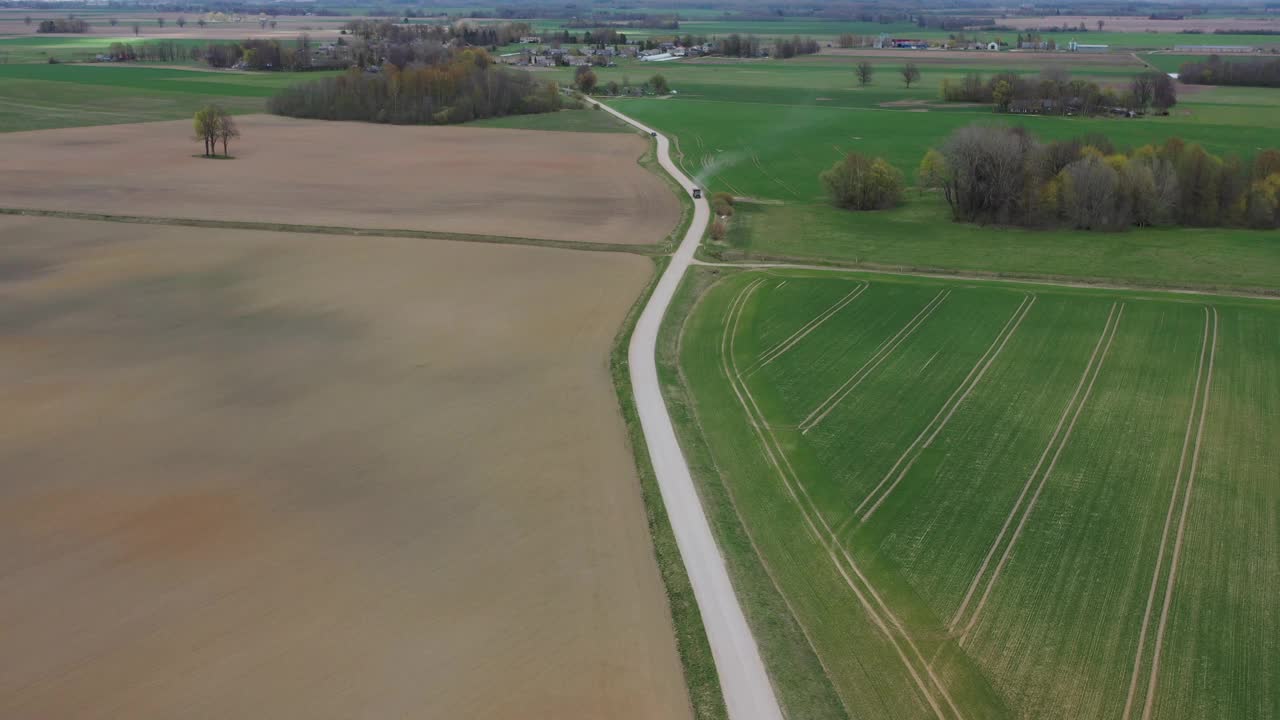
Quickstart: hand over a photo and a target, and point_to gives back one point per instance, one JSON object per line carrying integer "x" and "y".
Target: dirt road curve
{"x": 747, "y": 692}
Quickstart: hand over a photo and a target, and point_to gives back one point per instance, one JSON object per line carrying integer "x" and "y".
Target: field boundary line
{"x": 782, "y": 346}
{"x": 1044, "y": 479}
{"x": 828, "y": 541}
{"x": 1168, "y": 521}
{"x": 783, "y": 262}
{"x": 886, "y": 349}
{"x": 967, "y": 385}
{"x": 1149, "y": 705}
{"x": 634, "y": 249}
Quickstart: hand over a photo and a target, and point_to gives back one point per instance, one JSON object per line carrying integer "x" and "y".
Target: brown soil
{"x": 484, "y": 181}
{"x": 263, "y": 475}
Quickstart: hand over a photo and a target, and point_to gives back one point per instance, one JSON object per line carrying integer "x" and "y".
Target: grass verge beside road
{"x": 691, "y": 639}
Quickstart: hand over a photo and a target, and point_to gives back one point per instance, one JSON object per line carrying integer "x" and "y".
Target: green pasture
{"x": 766, "y": 129}
{"x": 1170, "y": 62}
{"x": 937, "y": 404}
{"x": 35, "y": 97}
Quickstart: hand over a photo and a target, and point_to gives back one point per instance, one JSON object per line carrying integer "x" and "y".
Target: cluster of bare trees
{"x": 260, "y": 54}
{"x": 63, "y": 25}
{"x": 157, "y": 51}
{"x": 858, "y": 182}
{"x": 585, "y": 79}
{"x": 214, "y": 124}
{"x": 1216, "y": 71}
{"x": 1054, "y": 92}
{"x": 1006, "y": 176}
{"x": 464, "y": 86}
{"x": 783, "y": 48}
{"x": 737, "y": 45}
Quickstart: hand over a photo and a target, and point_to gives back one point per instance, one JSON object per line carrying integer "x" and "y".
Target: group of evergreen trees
{"x": 464, "y": 85}
{"x": 1007, "y": 176}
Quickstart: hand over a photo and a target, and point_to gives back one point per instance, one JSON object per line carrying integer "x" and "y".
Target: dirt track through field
{"x": 790, "y": 341}
{"x": 257, "y": 474}
{"x": 953, "y": 403}
{"x": 1092, "y": 371}
{"x": 878, "y": 611}
{"x": 1149, "y": 705}
{"x": 585, "y": 187}
{"x": 1168, "y": 520}
{"x": 882, "y": 353}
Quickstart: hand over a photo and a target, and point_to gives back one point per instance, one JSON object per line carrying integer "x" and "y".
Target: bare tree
{"x": 26, "y": 20}
{"x": 1101, "y": 23}
{"x": 206, "y": 127}
{"x": 160, "y": 21}
{"x": 113, "y": 22}
{"x": 201, "y": 22}
{"x": 182, "y": 22}
{"x": 226, "y": 130}
{"x": 864, "y": 71}
{"x": 137, "y": 29}
{"x": 910, "y": 74}
{"x": 1141, "y": 91}
{"x": 1089, "y": 198}
{"x": 273, "y": 24}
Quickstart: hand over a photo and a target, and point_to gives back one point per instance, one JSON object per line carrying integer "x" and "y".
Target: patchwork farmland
{"x": 1002, "y": 501}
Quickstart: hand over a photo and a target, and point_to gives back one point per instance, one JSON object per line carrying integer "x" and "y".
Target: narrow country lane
{"x": 747, "y": 691}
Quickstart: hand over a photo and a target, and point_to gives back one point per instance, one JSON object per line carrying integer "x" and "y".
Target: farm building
{"x": 1214, "y": 49}
{"x": 993, "y": 46}
{"x": 660, "y": 57}
{"x": 1088, "y": 48}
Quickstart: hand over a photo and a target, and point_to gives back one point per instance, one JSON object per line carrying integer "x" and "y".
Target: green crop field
{"x": 35, "y": 97}
{"x": 994, "y": 500}
{"x": 766, "y": 129}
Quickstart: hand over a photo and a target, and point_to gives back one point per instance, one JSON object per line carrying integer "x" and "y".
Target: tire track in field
{"x": 760, "y": 166}
{"x": 782, "y": 346}
{"x": 887, "y": 623}
{"x": 882, "y": 353}
{"x": 953, "y": 403}
{"x": 1057, "y": 442}
{"x": 1212, "y": 346}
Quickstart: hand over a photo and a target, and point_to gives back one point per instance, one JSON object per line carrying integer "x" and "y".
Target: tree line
{"x": 1007, "y": 176}
{"x": 1054, "y": 92}
{"x": 63, "y": 25}
{"x": 464, "y": 85}
{"x": 1215, "y": 71}
{"x": 783, "y": 48}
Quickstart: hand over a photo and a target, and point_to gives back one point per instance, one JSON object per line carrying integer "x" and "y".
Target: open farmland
{"x": 766, "y": 130}
{"x": 258, "y": 474}
{"x": 999, "y": 500}
{"x": 585, "y": 187}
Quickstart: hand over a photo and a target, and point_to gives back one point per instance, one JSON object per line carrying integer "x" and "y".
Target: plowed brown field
{"x": 518, "y": 183}
{"x": 267, "y": 475}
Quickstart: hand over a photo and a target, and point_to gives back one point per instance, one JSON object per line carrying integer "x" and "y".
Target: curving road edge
{"x": 748, "y": 694}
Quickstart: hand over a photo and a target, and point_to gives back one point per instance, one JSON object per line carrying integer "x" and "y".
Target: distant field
{"x": 585, "y": 187}
{"x": 767, "y": 129}
{"x": 279, "y": 475}
{"x": 1171, "y": 63}
{"x": 986, "y": 501}
{"x": 36, "y": 97}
